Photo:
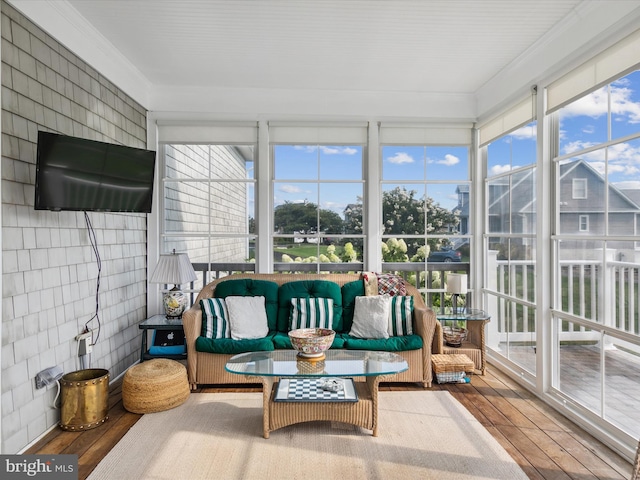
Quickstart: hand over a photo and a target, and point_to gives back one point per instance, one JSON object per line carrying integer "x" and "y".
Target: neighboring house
{"x": 512, "y": 206}
{"x": 582, "y": 202}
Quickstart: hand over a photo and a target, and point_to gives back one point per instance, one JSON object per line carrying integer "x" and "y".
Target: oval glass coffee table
{"x": 292, "y": 388}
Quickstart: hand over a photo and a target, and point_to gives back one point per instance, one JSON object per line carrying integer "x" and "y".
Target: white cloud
{"x": 593, "y": 105}
{"x": 498, "y": 169}
{"x": 616, "y": 168}
{"x": 625, "y": 151}
{"x": 339, "y": 150}
{"x": 290, "y": 189}
{"x": 621, "y": 104}
{"x": 596, "y": 104}
{"x": 598, "y": 167}
{"x": 527, "y": 132}
{"x": 306, "y": 148}
{"x": 624, "y": 158}
{"x": 576, "y": 146}
{"x": 449, "y": 160}
{"x": 327, "y": 150}
{"x": 335, "y": 206}
{"x": 628, "y": 185}
{"x": 400, "y": 158}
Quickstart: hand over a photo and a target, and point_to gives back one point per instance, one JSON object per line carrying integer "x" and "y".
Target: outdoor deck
{"x": 580, "y": 373}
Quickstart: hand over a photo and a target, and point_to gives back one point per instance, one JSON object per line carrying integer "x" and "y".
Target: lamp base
{"x": 174, "y": 302}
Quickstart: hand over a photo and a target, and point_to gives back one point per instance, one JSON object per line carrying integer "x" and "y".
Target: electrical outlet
{"x": 85, "y": 347}
{"x": 84, "y": 343}
{"x": 48, "y": 376}
{"x": 84, "y": 335}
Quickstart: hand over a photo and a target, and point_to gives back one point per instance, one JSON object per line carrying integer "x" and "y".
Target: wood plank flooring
{"x": 541, "y": 441}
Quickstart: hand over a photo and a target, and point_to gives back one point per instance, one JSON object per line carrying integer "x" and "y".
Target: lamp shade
{"x": 173, "y": 268}
{"x": 457, "y": 283}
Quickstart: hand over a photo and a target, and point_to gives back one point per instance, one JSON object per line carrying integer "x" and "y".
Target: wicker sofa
{"x": 205, "y": 367}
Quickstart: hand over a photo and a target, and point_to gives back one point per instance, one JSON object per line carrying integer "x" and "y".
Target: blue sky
{"x": 583, "y": 124}
{"x": 341, "y": 167}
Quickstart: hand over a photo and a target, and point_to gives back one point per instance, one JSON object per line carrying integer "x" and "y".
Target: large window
{"x": 425, "y": 209}
{"x": 510, "y": 242}
{"x": 318, "y": 207}
{"x": 208, "y": 194}
{"x": 596, "y": 324}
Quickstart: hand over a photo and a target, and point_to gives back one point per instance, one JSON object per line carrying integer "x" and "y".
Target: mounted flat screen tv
{"x": 86, "y": 175}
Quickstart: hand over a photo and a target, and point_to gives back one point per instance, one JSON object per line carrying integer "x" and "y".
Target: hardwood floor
{"x": 541, "y": 441}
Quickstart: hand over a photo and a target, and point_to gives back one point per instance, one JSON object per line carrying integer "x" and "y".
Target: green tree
{"x": 404, "y": 214}
{"x": 306, "y": 218}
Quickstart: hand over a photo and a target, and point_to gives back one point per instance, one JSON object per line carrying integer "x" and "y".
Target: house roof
{"x": 394, "y": 58}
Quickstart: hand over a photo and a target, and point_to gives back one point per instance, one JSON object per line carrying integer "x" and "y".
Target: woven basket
{"x": 154, "y": 386}
{"x": 451, "y": 368}
{"x": 454, "y": 336}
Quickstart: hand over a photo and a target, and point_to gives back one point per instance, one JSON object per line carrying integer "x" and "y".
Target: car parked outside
{"x": 445, "y": 254}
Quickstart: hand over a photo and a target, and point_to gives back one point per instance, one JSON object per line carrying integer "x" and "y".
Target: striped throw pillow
{"x": 400, "y": 316}
{"x": 215, "y": 318}
{"x": 311, "y": 313}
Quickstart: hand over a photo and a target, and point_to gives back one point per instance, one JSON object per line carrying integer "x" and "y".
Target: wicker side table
{"x": 474, "y": 345}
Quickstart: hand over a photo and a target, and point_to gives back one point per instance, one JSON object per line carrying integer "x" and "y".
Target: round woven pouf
{"x": 154, "y": 386}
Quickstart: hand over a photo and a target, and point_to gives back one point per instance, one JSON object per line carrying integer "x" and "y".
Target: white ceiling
{"x": 433, "y": 46}
{"x": 367, "y": 48}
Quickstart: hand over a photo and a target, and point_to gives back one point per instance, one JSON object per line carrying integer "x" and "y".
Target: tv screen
{"x": 86, "y": 175}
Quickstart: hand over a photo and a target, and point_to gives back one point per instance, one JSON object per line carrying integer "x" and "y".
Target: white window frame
{"x": 583, "y": 223}
{"x": 579, "y": 189}
{"x": 318, "y": 135}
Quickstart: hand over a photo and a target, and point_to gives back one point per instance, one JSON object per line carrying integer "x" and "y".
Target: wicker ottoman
{"x": 451, "y": 368}
{"x": 154, "y": 386}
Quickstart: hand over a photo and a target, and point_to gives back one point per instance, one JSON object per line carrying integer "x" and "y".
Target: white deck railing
{"x": 606, "y": 294}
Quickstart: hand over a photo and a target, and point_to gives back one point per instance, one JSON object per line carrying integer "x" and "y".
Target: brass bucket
{"x": 85, "y": 397}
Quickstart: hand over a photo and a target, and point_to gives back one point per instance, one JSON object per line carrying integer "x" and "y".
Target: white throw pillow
{"x": 247, "y": 317}
{"x": 371, "y": 317}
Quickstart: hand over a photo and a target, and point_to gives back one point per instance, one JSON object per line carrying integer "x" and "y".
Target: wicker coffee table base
{"x": 363, "y": 413}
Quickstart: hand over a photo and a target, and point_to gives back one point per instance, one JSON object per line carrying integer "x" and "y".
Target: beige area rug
{"x": 423, "y": 435}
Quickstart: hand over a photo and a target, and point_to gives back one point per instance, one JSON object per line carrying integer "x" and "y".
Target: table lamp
{"x": 174, "y": 268}
{"x": 456, "y": 285}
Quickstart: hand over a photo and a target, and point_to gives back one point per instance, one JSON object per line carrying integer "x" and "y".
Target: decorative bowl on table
{"x": 311, "y": 342}
{"x": 454, "y": 336}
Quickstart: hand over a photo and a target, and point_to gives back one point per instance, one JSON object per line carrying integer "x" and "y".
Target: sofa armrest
{"x": 438, "y": 339}
{"x": 192, "y": 323}
{"x": 425, "y": 324}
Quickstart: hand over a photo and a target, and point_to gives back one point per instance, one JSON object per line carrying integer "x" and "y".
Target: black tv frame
{"x": 76, "y": 174}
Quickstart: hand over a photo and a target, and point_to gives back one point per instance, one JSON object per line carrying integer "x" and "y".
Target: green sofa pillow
{"x": 350, "y": 291}
{"x": 248, "y": 287}
{"x": 308, "y": 289}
